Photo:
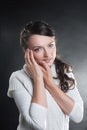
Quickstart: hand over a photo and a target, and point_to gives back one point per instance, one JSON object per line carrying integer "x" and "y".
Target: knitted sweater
{"x": 33, "y": 116}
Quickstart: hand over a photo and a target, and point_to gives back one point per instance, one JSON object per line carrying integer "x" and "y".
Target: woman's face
{"x": 43, "y": 48}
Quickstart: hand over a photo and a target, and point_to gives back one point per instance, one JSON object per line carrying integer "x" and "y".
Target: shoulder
{"x": 20, "y": 80}
{"x": 21, "y": 75}
{"x": 16, "y": 78}
{"x": 17, "y": 74}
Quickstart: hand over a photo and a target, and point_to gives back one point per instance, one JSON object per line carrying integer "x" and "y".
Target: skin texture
{"x": 39, "y": 57}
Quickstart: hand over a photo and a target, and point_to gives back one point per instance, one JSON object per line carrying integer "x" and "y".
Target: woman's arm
{"x": 33, "y": 114}
{"x": 67, "y": 102}
{"x": 71, "y": 104}
{"x": 39, "y": 95}
{"x": 33, "y": 109}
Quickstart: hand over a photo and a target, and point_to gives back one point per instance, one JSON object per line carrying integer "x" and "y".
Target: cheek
{"x": 54, "y": 51}
{"x": 38, "y": 57}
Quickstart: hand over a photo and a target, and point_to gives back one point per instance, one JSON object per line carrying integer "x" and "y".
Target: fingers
{"x": 27, "y": 56}
{"x": 44, "y": 64}
{"x": 32, "y": 57}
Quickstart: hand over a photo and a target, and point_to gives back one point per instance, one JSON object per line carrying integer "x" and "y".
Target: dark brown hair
{"x": 43, "y": 28}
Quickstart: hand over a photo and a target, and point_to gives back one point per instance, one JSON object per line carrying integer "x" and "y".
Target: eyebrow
{"x": 36, "y": 47}
{"x": 51, "y": 42}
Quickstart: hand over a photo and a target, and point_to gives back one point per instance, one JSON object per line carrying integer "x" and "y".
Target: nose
{"x": 46, "y": 53}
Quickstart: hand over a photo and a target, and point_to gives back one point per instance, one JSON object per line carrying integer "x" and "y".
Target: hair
{"x": 43, "y": 28}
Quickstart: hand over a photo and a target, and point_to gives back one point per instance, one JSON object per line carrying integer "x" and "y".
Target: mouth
{"x": 47, "y": 60}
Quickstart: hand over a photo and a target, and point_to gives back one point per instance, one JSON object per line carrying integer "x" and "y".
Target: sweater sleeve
{"x": 33, "y": 114}
{"x": 78, "y": 110}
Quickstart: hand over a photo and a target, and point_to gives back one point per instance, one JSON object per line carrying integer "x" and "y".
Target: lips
{"x": 47, "y": 60}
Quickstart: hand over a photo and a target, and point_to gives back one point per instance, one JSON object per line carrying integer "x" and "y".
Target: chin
{"x": 50, "y": 64}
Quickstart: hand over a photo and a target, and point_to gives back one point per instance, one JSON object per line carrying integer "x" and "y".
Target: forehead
{"x": 40, "y": 40}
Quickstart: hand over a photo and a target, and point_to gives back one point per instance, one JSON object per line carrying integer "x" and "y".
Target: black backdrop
{"x": 69, "y": 18}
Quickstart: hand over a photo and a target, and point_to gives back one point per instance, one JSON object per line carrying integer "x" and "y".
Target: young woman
{"x": 44, "y": 90}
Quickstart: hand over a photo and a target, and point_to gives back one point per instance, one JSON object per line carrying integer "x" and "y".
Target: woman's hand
{"x": 47, "y": 75}
{"x": 39, "y": 95}
{"x": 32, "y": 67}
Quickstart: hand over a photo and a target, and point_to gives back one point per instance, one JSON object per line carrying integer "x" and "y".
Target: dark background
{"x": 69, "y": 19}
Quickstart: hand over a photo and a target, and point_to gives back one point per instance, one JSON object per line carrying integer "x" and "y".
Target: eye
{"x": 37, "y": 49}
{"x": 51, "y": 45}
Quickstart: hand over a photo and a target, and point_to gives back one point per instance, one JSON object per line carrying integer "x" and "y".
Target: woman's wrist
{"x": 38, "y": 80}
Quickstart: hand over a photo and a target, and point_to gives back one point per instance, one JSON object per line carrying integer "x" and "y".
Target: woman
{"x": 44, "y": 90}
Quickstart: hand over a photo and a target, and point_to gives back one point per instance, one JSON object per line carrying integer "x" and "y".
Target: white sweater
{"x": 36, "y": 117}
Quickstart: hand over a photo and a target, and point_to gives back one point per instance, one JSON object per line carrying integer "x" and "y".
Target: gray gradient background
{"x": 69, "y": 19}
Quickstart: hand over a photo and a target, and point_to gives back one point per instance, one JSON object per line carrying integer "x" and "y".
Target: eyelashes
{"x": 51, "y": 45}
{"x": 37, "y": 49}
